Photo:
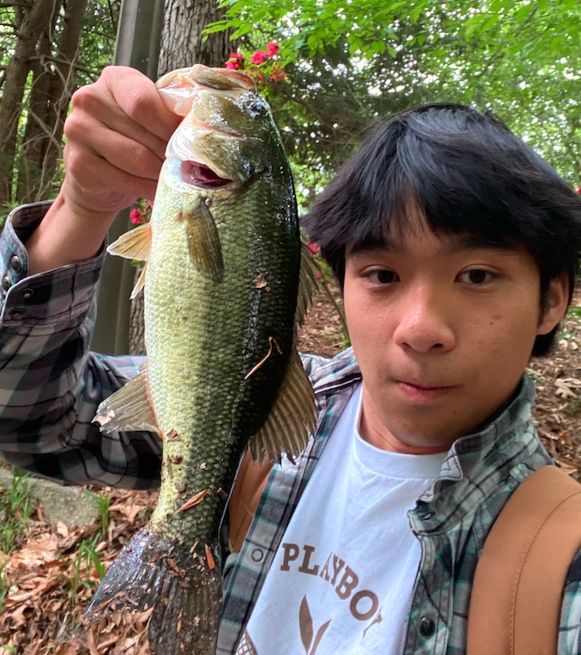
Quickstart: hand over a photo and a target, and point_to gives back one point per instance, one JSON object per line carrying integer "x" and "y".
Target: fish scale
{"x": 218, "y": 353}
{"x": 221, "y": 279}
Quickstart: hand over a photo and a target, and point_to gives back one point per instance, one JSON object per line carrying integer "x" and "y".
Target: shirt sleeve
{"x": 570, "y": 624}
{"x": 50, "y": 381}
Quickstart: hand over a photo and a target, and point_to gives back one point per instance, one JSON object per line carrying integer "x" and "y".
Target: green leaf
{"x": 241, "y": 31}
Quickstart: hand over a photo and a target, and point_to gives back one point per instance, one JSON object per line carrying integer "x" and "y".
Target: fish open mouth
{"x": 201, "y": 176}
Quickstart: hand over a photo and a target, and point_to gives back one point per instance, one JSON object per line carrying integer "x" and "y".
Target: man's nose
{"x": 425, "y": 321}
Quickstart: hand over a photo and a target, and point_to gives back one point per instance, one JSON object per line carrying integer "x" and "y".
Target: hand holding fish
{"x": 116, "y": 138}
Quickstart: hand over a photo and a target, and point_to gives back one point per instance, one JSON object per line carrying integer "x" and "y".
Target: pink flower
{"x": 258, "y": 57}
{"x": 236, "y": 61}
{"x": 136, "y": 216}
{"x": 278, "y": 75}
{"x": 578, "y": 190}
{"x": 272, "y": 49}
{"x": 314, "y": 248}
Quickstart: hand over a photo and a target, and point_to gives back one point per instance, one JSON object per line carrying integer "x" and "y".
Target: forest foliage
{"x": 350, "y": 62}
{"x": 345, "y": 64}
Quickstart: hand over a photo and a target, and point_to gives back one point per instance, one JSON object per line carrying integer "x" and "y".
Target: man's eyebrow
{"x": 458, "y": 243}
{"x": 468, "y": 241}
{"x": 370, "y": 245}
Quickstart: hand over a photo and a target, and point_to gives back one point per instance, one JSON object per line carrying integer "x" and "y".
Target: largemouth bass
{"x": 221, "y": 281}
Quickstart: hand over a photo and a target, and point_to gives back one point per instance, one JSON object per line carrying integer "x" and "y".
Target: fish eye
{"x": 257, "y": 108}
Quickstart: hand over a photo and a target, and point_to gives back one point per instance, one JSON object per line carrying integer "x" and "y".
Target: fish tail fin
{"x": 184, "y": 589}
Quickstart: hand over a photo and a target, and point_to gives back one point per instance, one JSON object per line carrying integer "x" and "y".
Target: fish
{"x": 226, "y": 281}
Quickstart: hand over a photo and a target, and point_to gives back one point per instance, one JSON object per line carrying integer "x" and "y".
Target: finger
{"x": 123, "y": 153}
{"x": 126, "y": 102}
{"x": 98, "y": 186}
{"x": 139, "y": 98}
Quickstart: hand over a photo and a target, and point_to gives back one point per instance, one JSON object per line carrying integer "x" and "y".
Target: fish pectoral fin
{"x": 203, "y": 241}
{"x": 134, "y": 244}
{"x": 292, "y": 417}
{"x": 128, "y": 408}
{"x": 307, "y": 283}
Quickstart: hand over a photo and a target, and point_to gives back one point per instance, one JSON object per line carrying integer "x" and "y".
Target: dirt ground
{"x": 48, "y": 579}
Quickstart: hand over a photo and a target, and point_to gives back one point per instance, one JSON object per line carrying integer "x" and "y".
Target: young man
{"x": 457, "y": 249}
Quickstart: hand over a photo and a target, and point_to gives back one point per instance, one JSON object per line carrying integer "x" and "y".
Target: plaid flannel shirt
{"x": 51, "y": 384}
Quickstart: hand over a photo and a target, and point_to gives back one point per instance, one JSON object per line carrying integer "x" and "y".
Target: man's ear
{"x": 555, "y": 303}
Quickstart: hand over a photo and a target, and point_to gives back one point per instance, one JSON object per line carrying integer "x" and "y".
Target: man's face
{"x": 442, "y": 330}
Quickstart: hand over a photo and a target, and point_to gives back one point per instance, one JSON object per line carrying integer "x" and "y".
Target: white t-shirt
{"x": 342, "y": 578}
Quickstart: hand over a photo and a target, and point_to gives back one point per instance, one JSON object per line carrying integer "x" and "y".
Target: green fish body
{"x": 221, "y": 283}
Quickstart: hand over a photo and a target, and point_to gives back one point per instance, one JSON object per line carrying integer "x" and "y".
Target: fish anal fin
{"x": 292, "y": 417}
{"x": 203, "y": 241}
{"x": 129, "y": 408}
{"x": 134, "y": 244}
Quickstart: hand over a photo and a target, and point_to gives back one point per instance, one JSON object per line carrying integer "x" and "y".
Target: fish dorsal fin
{"x": 307, "y": 283}
{"x": 134, "y": 244}
{"x": 128, "y": 408}
{"x": 203, "y": 241}
{"x": 291, "y": 418}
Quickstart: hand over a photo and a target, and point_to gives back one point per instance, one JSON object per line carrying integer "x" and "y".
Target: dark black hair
{"x": 467, "y": 173}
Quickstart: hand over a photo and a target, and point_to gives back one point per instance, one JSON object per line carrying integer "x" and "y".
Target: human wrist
{"x": 68, "y": 234}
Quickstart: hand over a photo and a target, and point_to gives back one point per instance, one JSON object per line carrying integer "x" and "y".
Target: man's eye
{"x": 383, "y": 276}
{"x": 476, "y": 276}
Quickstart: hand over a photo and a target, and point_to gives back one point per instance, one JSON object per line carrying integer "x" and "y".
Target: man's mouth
{"x": 424, "y": 391}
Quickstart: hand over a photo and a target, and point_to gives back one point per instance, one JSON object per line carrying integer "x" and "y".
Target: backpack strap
{"x": 250, "y": 482}
{"x": 518, "y": 586}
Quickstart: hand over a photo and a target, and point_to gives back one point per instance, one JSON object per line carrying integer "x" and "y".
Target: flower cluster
{"x": 261, "y": 65}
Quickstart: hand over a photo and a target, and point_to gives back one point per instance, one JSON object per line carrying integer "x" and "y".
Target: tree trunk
{"x": 33, "y": 144}
{"x": 34, "y": 22}
{"x": 181, "y": 41}
{"x": 63, "y": 82}
{"x": 50, "y": 95}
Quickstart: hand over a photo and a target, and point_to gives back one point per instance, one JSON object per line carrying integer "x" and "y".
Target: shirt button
{"x": 27, "y": 294}
{"x": 6, "y": 284}
{"x": 15, "y": 264}
{"x": 427, "y": 626}
{"x": 257, "y": 555}
{"x": 16, "y": 314}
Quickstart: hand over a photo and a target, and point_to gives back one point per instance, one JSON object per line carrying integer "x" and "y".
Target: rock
{"x": 73, "y": 506}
